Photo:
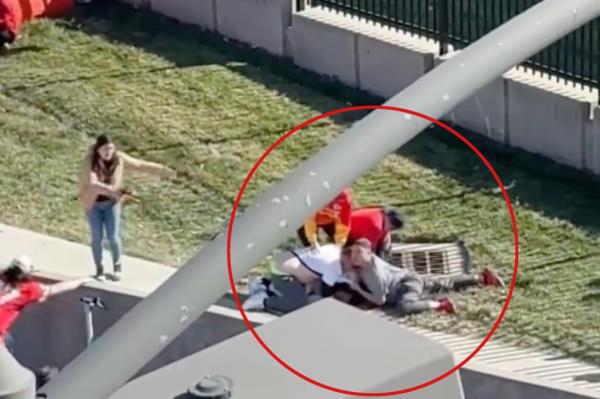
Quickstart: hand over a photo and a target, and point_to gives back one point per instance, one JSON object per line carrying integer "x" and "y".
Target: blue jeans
{"x": 106, "y": 215}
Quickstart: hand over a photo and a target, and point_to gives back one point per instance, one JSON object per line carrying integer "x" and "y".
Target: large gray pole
{"x": 16, "y": 382}
{"x": 143, "y": 332}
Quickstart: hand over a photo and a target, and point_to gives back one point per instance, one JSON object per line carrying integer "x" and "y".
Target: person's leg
{"x": 113, "y": 232}
{"x": 96, "y": 221}
{"x": 302, "y": 237}
{"x": 456, "y": 283}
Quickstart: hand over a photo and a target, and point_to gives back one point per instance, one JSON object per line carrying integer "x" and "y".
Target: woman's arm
{"x": 146, "y": 167}
{"x": 65, "y": 286}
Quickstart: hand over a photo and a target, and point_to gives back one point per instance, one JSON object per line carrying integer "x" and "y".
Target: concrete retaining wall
{"x": 194, "y": 12}
{"x": 262, "y": 23}
{"x": 546, "y": 123}
{"x": 324, "y": 46}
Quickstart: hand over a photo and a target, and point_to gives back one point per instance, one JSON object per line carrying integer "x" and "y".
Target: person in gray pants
{"x": 407, "y": 291}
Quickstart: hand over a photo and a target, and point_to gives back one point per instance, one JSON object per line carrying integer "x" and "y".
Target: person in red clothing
{"x": 9, "y": 22}
{"x": 19, "y": 290}
{"x": 334, "y": 219}
{"x": 376, "y": 225}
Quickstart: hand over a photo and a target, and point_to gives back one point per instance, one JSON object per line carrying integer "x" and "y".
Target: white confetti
{"x": 312, "y": 174}
{"x": 326, "y": 185}
{"x": 250, "y": 246}
{"x": 461, "y": 64}
{"x": 283, "y": 224}
{"x": 407, "y": 117}
{"x": 183, "y": 319}
{"x": 163, "y": 338}
{"x": 276, "y": 200}
{"x": 574, "y": 12}
{"x": 308, "y": 201}
{"x": 446, "y": 97}
{"x": 286, "y": 198}
{"x": 500, "y": 44}
{"x": 185, "y": 309}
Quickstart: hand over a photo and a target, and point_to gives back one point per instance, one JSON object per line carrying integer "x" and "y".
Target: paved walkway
{"x": 58, "y": 258}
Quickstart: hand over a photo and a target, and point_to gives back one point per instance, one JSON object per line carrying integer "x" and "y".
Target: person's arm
{"x": 377, "y": 299}
{"x": 65, "y": 286}
{"x": 151, "y": 168}
{"x": 342, "y": 223}
{"x": 375, "y": 283}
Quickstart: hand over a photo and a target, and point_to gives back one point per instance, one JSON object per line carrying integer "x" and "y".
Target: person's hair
{"x": 104, "y": 169}
{"x": 395, "y": 219}
{"x": 14, "y": 275}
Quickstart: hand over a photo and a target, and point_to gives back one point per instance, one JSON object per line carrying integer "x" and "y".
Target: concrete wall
{"x": 546, "y": 123}
{"x": 591, "y": 137}
{"x": 194, "y": 12}
{"x": 325, "y": 47}
{"x": 386, "y": 68}
{"x": 262, "y": 23}
{"x": 53, "y": 333}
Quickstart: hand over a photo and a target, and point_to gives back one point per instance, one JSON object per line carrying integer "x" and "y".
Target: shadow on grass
{"x": 554, "y": 190}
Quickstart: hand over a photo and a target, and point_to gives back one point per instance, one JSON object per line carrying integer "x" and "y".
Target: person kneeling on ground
{"x": 406, "y": 290}
{"x": 375, "y": 224}
{"x": 18, "y": 290}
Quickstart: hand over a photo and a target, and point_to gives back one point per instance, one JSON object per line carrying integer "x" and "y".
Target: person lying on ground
{"x": 375, "y": 224}
{"x": 334, "y": 219}
{"x": 18, "y": 290}
{"x": 408, "y": 291}
{"x": 102, "y": 196}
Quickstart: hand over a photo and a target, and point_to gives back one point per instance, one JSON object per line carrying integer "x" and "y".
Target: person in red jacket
{"x": 9, "y": 22}
{"x": 376, "y": 225}
{"x": 18, "y": 290}
{"x": 334, "y": 219}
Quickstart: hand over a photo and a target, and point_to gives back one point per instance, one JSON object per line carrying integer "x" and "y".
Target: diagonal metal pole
{"x": 143, "y": 332}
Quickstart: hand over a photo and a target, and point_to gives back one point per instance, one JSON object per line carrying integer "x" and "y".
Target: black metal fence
{"x": 458, "y": 23}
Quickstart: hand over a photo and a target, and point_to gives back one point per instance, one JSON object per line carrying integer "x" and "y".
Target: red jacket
{"x": 337, "y": 212}
{"x": 14, "y": 13}
{"x": 11, "y": 17}
{"x": 368, "y": 223}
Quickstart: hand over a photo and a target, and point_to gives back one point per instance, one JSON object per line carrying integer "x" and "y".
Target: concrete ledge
{"x": 193, "y": 12}
{"x": 261, "y": 23}
{"x": 546, "y": 123}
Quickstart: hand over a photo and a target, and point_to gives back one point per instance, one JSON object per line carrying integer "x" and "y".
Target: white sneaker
{"x": 256, "y": 301}
{"x": 100, "y": 277}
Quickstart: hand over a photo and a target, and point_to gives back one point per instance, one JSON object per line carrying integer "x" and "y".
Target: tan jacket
{"x": 90, "y": 187}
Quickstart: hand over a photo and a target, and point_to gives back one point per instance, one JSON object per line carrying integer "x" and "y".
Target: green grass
{"x": 209, "y": 108}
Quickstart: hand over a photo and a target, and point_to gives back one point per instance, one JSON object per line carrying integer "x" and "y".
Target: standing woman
{"x": 102, "y": 195}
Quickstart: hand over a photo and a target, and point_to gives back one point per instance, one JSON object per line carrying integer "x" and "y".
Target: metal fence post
{"x": 443, "y": 18}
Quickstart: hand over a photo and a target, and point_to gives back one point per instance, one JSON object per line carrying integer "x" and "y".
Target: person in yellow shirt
{"x": 334, "y": 219}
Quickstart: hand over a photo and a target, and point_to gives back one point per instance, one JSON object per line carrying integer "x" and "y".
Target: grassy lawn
{"x": 209, "y": 108}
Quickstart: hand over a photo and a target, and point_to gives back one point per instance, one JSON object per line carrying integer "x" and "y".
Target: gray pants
{"x": 415, "y": 291}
